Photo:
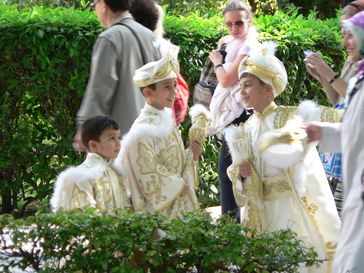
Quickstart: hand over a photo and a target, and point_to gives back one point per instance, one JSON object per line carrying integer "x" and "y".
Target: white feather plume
{"x": 309, "y": 111}
{"x": 269, "y": 47}
{"x": 198, "y": 109}
{"x": 293, "y": 124}
{"x": 237, "y": 146}
{"x": 232, "y": 133}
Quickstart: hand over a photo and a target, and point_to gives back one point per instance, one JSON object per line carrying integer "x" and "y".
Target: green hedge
{"x": 44, "y": 67}
{"x": 86, "y": 242}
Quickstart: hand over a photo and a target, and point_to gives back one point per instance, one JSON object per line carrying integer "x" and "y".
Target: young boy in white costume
{"x": 95, "y": 183}
{"x": 161, "y": 172}
{"x": 296, "y": 197}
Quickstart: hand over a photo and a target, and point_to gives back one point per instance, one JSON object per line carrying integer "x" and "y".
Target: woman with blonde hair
{"x": 226, "y": 106}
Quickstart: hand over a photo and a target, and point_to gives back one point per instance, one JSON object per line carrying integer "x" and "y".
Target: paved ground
{"x": 215, "y": 212}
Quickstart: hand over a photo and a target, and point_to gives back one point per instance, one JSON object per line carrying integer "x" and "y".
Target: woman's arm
{"x": 333, "y": 85}
{"x": 228, "y": 77}
{"x": 335, "y": 90}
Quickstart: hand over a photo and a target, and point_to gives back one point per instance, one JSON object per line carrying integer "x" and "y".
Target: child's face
{"x": 254, "y": 93}
{"x": 163, "y": 95}
{"x": 108, "y": 145}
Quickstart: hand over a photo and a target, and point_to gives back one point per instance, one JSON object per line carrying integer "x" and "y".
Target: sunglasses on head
{"x": 238, "y": 23}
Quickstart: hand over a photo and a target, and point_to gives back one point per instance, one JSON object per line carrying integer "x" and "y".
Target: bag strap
{"x": 136, "y": 37}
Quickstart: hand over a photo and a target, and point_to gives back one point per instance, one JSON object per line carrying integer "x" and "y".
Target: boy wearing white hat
{"x": 161, "y": 172}
{"x": 277, "y": 194}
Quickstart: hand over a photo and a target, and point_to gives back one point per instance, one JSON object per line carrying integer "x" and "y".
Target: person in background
{"x": 120, "y": 49}
{"x": 226, "y": 106}
{"x": 96, "y": 183}
{"x": 161, "y": 173}
{"x": 348, "y": 137}
{"x": 335, "y": 86}
{"x": 151, "y": 15}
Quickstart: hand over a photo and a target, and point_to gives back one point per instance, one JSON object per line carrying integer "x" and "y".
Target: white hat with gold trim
{"x": 267, "y": 67}
{"x": 153, "y": 72}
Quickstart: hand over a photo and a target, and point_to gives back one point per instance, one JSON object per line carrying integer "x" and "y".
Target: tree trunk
{"x": 6, "y": 193}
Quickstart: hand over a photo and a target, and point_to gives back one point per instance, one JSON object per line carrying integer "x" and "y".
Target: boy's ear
{"x": 147, "y": 91}
{"x": 92, "y": 145}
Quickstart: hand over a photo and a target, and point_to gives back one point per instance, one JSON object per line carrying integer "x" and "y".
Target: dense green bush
{"x": 295, "y": 33}
{"x": 78, "y": 4}
{"x": 85, "y": 242}
{"x": 44, "y": 66}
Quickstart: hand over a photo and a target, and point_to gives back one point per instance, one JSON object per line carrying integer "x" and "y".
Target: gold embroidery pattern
{"x": 330, "y": 114}
{"x": 233, "y": 173}
{"x": 276, "y": 189}
{"x": 157, "y": 166}
{"x": 145, "y": 159}
{"x": 311, "y": 208}
{"x": 103, "y": 195}
{"x": 168, "y": 158}
{"x": 255, "y": 218}
{"x": 283, "y": 114}
{"x": 330, "y": 248}
{"x": 80, "y": 199}
{"x": 148, "y": 166}
{"x": 239, "y": 189}
{"x": 153, "y": 189}
{"x": 247, "y": 137}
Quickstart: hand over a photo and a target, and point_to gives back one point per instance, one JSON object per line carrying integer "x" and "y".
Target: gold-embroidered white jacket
{"x": 298, "y": 197}
{"x": 93, "y": 184}
{"x": 157, "y": 164}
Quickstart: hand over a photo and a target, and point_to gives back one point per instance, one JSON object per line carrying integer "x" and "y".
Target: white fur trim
{"x": 69, "y": 178}
{"x": 118, "y": 164}
{"x": 161, "y": 127}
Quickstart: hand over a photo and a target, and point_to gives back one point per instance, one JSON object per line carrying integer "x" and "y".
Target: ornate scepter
{"x": 201, "y": 120}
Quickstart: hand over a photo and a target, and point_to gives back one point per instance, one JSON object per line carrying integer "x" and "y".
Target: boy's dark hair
{"x": 145, "y": 12}
{"x": 117, "y": 5}
{"x": 93, "y": 127}
{"x": 247, "y": 74}
{"x": 151, "y": 86}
